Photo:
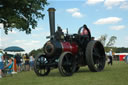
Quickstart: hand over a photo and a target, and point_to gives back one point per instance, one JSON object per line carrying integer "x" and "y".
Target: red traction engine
{"x": 68, "y": 52}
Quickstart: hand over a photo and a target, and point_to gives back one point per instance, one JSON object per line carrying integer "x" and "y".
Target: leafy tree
{"x": 102, "y": 39}
{"x": 108, "y": 45}
{"x": 36, "y": 52}
{"x": 21, "y": 14}
{"x": 111, "y": 41}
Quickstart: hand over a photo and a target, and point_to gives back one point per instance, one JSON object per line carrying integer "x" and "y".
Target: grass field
{"x": 111, "y": 75}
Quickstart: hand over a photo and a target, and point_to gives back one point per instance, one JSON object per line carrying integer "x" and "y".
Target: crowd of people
{"x": 24, "y": 62}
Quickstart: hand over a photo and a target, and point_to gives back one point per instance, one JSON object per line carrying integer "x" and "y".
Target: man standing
{"x": 110, "y": 57}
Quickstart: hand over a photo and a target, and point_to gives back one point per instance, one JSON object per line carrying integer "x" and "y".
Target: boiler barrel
{"x": 55, "y": 48}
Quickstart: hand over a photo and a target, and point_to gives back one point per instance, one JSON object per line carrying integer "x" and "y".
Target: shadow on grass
{"x": 82, "y": 70}
{"x": 56, "y": 73}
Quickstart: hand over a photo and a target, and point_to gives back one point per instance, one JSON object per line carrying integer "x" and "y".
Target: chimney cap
{"x": 51, "y": 9}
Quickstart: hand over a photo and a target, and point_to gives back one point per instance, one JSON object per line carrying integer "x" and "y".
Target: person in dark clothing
{"x": 26, "y": 62}
{"x": 110, "y": 60}
{"x": 18, "y": 62}
{"x": 59, "y": 34}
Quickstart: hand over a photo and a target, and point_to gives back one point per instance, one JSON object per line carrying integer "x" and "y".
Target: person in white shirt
{"x": 31, "y": 61}
{"x": 110, "y": 57}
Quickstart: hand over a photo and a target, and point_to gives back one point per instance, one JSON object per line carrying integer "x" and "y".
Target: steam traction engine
{"x": 69, "y": 52}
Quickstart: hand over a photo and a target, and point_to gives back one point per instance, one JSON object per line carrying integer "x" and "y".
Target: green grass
{"x": 111, "y": 75}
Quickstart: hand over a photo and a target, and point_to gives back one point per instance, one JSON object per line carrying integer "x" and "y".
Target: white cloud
{"x": 126, "y": 38}
{"x": 119, "y": 27}
{"x": 110, "y": 3}
{"x": 19, "y": 41}
{"x": 108, "y": 20}
{"x": 72, "y": 10}
{"x": 35, "y": 42}
{"x": 124, "y": 5}
{"x": 4, "y": 39}
{"x": 75, "y": 12}
{"x": 94, "y": 1}
{"x": 25, "y": 42}
{"x": 28, "y": 45}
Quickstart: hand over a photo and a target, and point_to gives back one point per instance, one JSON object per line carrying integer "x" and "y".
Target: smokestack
{"x": 52, "y": 20}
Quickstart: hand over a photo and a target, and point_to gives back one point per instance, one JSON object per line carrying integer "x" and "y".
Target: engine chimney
{"x": 52, "y": 20}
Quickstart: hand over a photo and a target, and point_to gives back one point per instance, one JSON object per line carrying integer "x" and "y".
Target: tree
{"x": 36, "y": 52}
{"x": 110, "y": 42}
{"x": 102, "y": 39}
{"x": 21, "y": 14}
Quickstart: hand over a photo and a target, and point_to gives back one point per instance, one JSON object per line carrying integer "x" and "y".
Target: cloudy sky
{"x": 101, "y": 16}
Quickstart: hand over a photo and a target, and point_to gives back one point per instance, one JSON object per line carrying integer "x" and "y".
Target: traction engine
{"x": 69, "y": 52}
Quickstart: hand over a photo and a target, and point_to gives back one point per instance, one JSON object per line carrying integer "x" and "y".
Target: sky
{"x": 102, "y": 17}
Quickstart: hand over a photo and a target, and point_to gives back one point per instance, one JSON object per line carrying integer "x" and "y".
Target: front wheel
{"x": 40, "y": 67}
{"x": 66, "y": 64}
{"x": 95, "y": 56}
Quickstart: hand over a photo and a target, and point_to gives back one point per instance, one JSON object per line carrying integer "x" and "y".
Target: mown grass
{"x": 111, "y": 75}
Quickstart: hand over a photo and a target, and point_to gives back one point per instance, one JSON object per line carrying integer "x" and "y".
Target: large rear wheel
{"x": 40, "y": 67}
{"x": 95, "y": 56}
{"x": 66, "y": 64}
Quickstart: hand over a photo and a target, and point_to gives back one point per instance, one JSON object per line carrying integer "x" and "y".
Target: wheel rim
{"x": 40, "y": 67}
{"x": 66, "y": 64}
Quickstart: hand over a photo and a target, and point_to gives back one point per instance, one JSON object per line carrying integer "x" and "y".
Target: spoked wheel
{"x": 40, "y": 67}
{"x": 95, "y": 56}
{"x": 66, "y": 64}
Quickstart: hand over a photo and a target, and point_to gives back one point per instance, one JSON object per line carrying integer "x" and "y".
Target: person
{"x": 59, "y": 34}
{"x": 18, "y": 62}
{"x": 23, "y": 62}
{"x": 31, "y": 62}
{"x": 26, "y": 62}
{"x": 10, "y": 64}
{"x": 92, "y": 38}
{"x": 1, "y": 64}
{"x": 84, "y": 31}
{"x": 126, "y": 59}
{"x": 110, "y": 57}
